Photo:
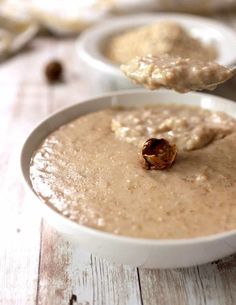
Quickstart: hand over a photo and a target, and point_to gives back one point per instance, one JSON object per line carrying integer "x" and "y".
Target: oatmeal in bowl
{"x": 163, "y": 37}
{"x": 97, "y": 180}
{"x": 96, "y": 190}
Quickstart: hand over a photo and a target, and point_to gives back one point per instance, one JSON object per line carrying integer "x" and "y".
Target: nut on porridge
{"x": 158, "y": 154}
{"x": 97, "y": 180}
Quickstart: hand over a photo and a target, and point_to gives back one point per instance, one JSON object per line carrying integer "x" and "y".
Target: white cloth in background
{"x": 67, "y": 17}
{"x": 73, "y": 16}
{"x": 16, "y": 26}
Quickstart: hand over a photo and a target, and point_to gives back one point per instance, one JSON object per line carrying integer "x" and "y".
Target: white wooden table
{"x": 36, "y": 265}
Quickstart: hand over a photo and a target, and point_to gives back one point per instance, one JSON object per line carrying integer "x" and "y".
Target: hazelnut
{"x": 158, "y": 154}
{"x": 53, "y": 71}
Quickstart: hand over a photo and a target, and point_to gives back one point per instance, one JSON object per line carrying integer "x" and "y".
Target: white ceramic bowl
{"x": 107, "y": 75}
{"x": 126, "y": 250}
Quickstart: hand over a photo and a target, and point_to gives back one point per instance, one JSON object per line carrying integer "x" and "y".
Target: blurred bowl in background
{"x": 107, "y": 75}
{"x": 68, "y": 18}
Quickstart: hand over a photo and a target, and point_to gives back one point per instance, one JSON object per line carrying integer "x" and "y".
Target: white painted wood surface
{"x": 36, "y": 265}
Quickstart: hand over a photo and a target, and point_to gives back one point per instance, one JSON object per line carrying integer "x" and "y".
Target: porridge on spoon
{"x": 178, "y": 73}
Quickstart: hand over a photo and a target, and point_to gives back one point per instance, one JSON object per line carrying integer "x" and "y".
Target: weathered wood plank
{"x": 23, "y": 104}
{"x": 210, "y": 284}
{"x": 19, "y": 259}
{"x": 65, "y": 270}
{"x": 19, "y": 226}
{"x": 115, "y": 284}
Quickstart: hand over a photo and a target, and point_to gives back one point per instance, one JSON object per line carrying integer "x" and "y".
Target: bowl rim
{"x": 88, "y": 44}
{"x": 98, "y": 233}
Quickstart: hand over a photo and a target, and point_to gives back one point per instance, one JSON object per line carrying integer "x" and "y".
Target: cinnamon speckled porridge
{"x": 89, "y": 171}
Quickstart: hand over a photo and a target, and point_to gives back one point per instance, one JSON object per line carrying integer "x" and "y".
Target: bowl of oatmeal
{"x": 83, "y": 167}
{"x": 102, "y": 49}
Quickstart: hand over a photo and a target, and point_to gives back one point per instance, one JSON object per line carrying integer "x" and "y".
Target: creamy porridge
{"x": 188, "y": 127}
{"x": 89, "y": 171}
{"x": 164, "y": 37}
{"x": 180, "y": 74}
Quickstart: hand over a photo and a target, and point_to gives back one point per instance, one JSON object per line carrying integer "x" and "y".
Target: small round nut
{"x": 53, "y": 71}
{"x": 158, "y": 154}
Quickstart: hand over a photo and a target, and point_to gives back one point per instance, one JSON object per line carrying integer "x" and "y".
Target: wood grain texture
{"x": 65, "y": 270}
{"x": 24, "y": 101}
{"x": 210, "y": 284}
{"x": 19, "y": 227}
